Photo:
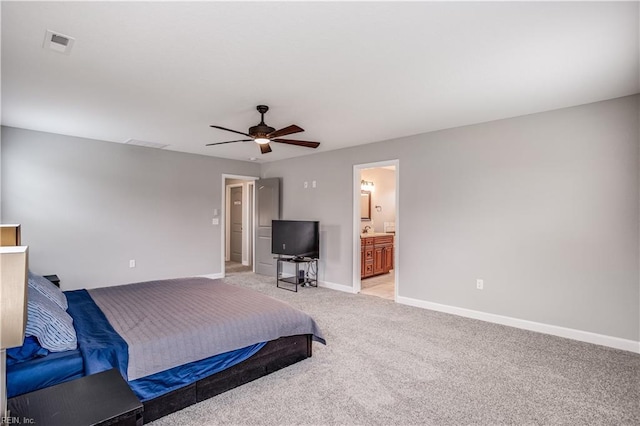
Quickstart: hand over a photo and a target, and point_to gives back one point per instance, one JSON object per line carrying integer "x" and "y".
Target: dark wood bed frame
{"x": 275, "y": 355}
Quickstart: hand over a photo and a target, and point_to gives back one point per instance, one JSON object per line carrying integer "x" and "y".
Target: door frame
{"x": 223, "y": 218}
{"x": 227, "y": 225}
{"x": 251, "y": 214}
{"x": 357, "y": 172}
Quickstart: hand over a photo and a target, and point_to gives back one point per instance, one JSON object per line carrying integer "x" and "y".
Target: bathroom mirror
{"x": 365, "y": 205}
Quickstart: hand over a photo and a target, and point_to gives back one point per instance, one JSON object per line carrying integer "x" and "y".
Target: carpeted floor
{"x": 233, "y": 268}
{"x": 390, "y": 364}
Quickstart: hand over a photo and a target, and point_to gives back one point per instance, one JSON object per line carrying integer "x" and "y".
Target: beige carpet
{"x": 232, "y": 268}
{"x": 390, "y": 364}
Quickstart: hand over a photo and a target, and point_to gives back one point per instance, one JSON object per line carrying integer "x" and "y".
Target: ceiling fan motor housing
{"x": 261, "y": 131}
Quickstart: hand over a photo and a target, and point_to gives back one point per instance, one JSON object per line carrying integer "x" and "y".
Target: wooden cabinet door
{"x": 388, "y": 258}
{"x": 378, "y": 260}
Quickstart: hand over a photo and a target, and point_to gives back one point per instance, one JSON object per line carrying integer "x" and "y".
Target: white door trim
{"x": 357, "y": 169}
{"x": 251, "y": 214}
{"x": 223, "y": 215}
{"x": 227, "y": 225}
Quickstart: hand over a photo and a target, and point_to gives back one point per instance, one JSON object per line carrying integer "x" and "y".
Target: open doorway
{"x": 376, "y": 195}
{"x": 238, "y": 224}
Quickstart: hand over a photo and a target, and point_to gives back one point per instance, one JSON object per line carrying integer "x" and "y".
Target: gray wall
{"x": 543, "y": 207}
{"x": 1, "y": 221}
{"x": 87, "y": 207}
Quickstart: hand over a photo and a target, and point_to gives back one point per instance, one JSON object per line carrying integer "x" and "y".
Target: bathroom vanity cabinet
{"x": 376, "y": 254}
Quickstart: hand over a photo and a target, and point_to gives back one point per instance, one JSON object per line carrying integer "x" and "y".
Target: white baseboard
{"x": 334, "y": 286}
{"x": 215, "y": 276}
{"x": 554, "y": 330}
{"x": 569, "y": 333}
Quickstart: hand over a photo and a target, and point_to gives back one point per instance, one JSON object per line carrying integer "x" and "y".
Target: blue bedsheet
{"x": 158, "y": 384}
{"x": 38, "y": 373}
{"x": 101, "y": 348}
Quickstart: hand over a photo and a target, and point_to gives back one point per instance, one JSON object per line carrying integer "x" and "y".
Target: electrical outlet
{"x": 480, "y": 284}
{"x": 132, "y": 263}
{"x": 306, "y": 185}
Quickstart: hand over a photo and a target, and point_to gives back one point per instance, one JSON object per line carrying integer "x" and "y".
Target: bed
{"x": 176, "y": 342}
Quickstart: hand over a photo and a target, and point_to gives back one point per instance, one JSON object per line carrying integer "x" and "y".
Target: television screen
{"x": 299, "y": 238}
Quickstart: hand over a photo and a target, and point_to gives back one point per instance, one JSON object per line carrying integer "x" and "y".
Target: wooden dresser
{"x": 376, "y": 254}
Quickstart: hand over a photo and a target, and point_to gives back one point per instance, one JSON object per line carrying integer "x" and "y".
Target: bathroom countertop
{"x": 375, "y": 234}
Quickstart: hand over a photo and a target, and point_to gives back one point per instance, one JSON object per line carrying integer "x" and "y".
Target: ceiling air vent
{"x": 145, "y": 143}
{"x": 58, "y": 42}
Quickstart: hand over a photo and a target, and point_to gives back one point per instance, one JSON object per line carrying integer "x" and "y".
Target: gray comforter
{"x": 172, "y": 322}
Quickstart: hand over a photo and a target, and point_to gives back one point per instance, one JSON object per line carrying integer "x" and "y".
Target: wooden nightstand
{"x": 96, "y": 400}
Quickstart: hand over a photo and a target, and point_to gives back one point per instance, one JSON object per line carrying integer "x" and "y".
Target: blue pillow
{"x": 30, "y": 349}
{"x": 48, "y": 289}
{"x": 50, "y": 324}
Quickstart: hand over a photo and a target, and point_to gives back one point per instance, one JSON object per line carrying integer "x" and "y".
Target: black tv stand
{"x": 309, "y": 277}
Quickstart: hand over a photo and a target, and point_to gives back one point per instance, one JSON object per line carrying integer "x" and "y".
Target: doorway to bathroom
{"x": 376, "y": 226}
{"x": 238, "y": 219}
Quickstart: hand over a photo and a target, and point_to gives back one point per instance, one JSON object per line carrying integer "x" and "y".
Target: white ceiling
{"x": 348, "y": 73}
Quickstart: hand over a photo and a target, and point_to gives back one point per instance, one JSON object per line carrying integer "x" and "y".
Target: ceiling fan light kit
{"x": 263, "y": 134}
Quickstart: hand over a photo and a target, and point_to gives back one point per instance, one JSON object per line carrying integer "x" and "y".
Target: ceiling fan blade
{"x": 229, "y": 130}
{"x": 298, "y": 143}
{"x": 265, "y": 148}
{"x": 220, "y": 143}
{"x": 289, "y": 130}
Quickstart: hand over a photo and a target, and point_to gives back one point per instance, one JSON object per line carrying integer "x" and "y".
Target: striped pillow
{"x": 48, "y": 290}
{"x": 51, "y": 325}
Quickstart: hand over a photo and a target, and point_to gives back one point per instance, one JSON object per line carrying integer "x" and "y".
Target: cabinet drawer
{"x": 368, "y": 254}
{"x": 368, "y": 269}
{"x": 367, "y": 241}
{"x": 384, "y": 240}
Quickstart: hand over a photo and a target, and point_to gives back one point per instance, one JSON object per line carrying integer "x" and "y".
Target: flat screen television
{"x": 298, "y": 238}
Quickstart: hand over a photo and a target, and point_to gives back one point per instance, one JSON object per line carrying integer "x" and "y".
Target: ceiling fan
{"x": 263, "y": 134}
